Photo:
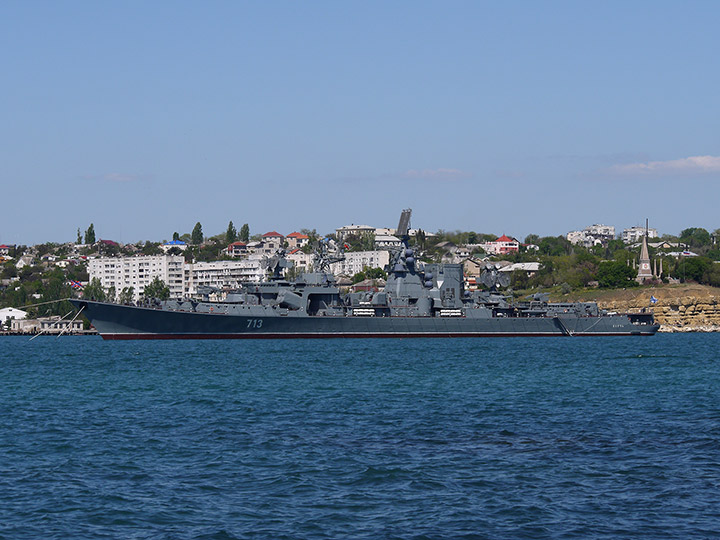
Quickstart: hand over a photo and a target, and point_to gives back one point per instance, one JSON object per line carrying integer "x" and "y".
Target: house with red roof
{"x": 503, "y": 245}
{"x": 297, "y": 240}
{"x": 5, "y": 250}
{"x": 237, "y": 249}
{"x": 272, "y": 241}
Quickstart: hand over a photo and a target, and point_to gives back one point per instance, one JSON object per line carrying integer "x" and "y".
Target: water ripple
{"x": 594, "y": 438}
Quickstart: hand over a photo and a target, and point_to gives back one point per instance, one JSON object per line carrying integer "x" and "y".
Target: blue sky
{"x": 504, "y": 117}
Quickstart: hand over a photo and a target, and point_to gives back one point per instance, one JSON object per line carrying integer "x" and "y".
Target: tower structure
{"x": 644, "y": 270}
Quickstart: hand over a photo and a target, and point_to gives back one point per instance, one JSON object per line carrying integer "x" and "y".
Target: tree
{"x": 692, "y": 268}
{"x": 245, "y": 233}
{"x": 79, "y": 237}
{"x": 197, "y": 234}
{"x": 94, "y": 291}
{"x": 615, "y": 274}
{"x": 532, "y": 239}
{"x": 126, "y": 295}
{"x": 151, "y": 248}
{"x": 231, "y": 234}
{"x": 554, "y": 245}
{"x": 90, "y": 234}
{"x": 695, "y": 237}
{"x": 176, "y": 237}
{"x": 157, "y": 289}
{"x": 421, "y": 239}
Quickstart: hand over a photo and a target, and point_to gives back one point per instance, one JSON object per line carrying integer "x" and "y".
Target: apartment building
{"x": 222, "y": 274}
{"x": 355, "y": 261}
{"x": 137, "y": 272}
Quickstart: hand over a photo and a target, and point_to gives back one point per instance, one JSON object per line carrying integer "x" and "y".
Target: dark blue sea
{"x": 418, "y": 438}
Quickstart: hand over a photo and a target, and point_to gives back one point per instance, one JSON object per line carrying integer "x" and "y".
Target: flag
{"x": 653, "y": 300}
{"x": 76, "y": 284}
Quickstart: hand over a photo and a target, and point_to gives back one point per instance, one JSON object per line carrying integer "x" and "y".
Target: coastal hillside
{"x": 679, "y": 308}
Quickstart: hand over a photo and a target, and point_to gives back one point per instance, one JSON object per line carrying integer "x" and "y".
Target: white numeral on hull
{"x": 254, "y": 323}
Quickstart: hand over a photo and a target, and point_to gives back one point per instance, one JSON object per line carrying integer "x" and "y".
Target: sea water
{"x": 415, "y": 438}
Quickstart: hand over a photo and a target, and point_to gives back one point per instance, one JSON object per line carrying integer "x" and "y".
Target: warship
{"x": 418, "y": 300}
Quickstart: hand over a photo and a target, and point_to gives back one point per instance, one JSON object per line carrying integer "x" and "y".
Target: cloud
{"x": 688, "y": 165}
{"x": 436, "y": 174}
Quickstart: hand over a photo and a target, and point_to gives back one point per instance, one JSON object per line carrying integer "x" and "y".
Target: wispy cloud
{"x": 436, "y": 174}
{"x": 688, "y": 165}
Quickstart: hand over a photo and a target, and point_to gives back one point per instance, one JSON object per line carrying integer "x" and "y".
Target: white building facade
{"x": 355, "y": 261}
{"x": 11, "y": 313}
{"x": 222, "y": 274}
{"x": 353, "y": 230}
{"x": 594, "y": 235}
{"x": 635, "y": 234}
{"x": 137, "y": 272}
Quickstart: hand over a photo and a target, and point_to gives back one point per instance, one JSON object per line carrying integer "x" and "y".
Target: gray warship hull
{"x": 117, "y": 322}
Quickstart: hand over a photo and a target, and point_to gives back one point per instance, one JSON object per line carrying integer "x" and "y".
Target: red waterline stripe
{"x": 332, "y": 335}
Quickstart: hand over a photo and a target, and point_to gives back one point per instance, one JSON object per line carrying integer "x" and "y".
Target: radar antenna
{"x": 493, "y": 279}
{"x": 275, "y": 265}
{"x": 404, "y": 224}
{"x": 327, "y": 253}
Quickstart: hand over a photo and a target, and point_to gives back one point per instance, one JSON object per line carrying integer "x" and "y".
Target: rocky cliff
{"x": 681, "y": 308}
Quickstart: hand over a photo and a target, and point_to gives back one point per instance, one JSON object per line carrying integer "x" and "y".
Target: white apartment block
{"x": 635, "y": 234}
{"x": 603, "y": 233}
{"x": 355, "y": 261}
{"x": 222, "y": 274}
{"x": 353, "y": 230}
{"x": 580, "y": 238}
{"x": 592, "y": 236}
{"x": 137, "y": 272}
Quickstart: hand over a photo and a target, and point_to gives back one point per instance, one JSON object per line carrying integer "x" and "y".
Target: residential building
{"x": 604, "y": 233}
{"x": 297, "y": 240}
{"x": 502, "y": 246}
{"x": 531, "y": 268}
{"x": 356, "y": 261}
{"x": 302, "y": 262}
{"x": 221, "y": 274}
{"x": 237, "y": 249}
{"x": 352, "y": 230}
{"x": 23, "y": 261}
{"x": 580, "y": 238}
{"x": 179, "y": 244}
{"x": 5, "y": 250}
{"x": 386, "y": 241}
{"x": 635, "y": 234}
{"x": 137, "y": 272}
{"x": 11, "y": 313}
{"x": 272, "y": 241}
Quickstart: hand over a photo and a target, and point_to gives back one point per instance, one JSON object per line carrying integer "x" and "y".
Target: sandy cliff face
{"x": 688, "y": 308}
